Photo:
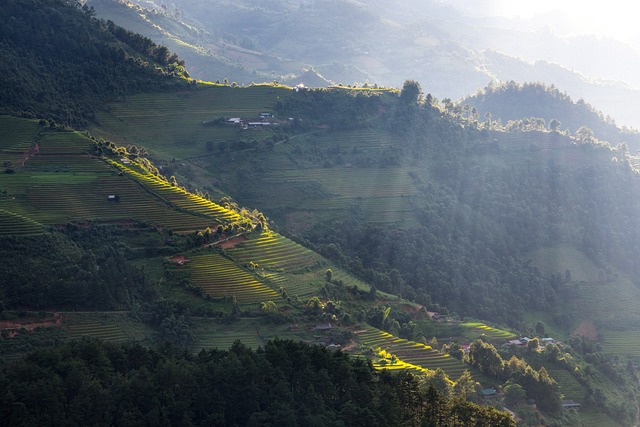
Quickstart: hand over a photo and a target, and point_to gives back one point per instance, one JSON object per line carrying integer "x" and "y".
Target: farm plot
{"x": 209, "y": 335}
{"x": 63, "y": 143}
{"x": 361, "y": 139}
{"x": 56, "y": 203}
{"x": 178, "y": 197}
{"x": 222, "y": 278}
{"x": 299, "y": 285}
{"x": 410, "y": 352}
{"x": 162, "y": 121}
{"x": 15, "y": 224}
{"x": 622, "y": 343}
{"x": 592, "y": 300}
{"x": 379, "y": 195}
{"x": 273, "y": 251}
{"x": 476, "y": 329}
{"x": 569, "y": 386}
{"x": 58, "y": 188}
{"x": 103, "y": 331}
{"x": 16, "y": 137}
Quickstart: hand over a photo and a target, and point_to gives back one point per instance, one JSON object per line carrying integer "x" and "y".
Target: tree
{"x": 554, "y": 125}
{"x": 465, "y": 386}
{"x": 269, "y": 307}
{"x": 328, "y": 275}
{"x": 411, "y": 92}
{"x": 441, "y": 382}
{"x": 514, "y": 394}
{"x": 584, "y": 135}
{"x": 485, "y": 357}
{"x": 533, "y": 344}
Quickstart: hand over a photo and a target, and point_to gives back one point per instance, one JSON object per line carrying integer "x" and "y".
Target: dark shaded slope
{"x": 60, "y": 62}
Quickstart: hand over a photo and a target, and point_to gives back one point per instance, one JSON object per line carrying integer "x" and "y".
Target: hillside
{"x": 50, "y": 72}
{"x": 377, "y": 221}
{"x": 512, "y": 102}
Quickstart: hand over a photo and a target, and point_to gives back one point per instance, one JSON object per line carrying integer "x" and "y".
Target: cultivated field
{"x": 409, "y": 353}
{"x": 622, "y": 343}
{"x": 272, "y": 251}
{"x": 474, "y": 330}
{"x": 163, "y": 122}
{"x": 223, "y": 279}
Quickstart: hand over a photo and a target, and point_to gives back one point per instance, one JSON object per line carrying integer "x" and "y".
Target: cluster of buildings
{"x": 246, "y": 124}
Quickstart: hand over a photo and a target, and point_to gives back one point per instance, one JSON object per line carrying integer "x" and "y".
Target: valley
{"x": 352, "y": 235}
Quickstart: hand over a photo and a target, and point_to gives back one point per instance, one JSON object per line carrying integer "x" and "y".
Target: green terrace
{"x": 474, "y": 330}
{"x": 270, "y": 250}
{"x": 409, "y": 353}
{"x": 15, "y": 224}
{"x": 162, "y": 121}
{"x": 208, "y": 334}
{"x": 177, "y": 196}
{"x": 106, "y": 332}
{"x": 569, "y": 386}
{"x": 16, "y": 138}
{"x": 224, "y": 279}
{"x": 622, "y": 343}
{"x": 378, "y": 195}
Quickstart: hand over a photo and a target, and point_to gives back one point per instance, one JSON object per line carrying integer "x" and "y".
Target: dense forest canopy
{"x": 510, "y": 101}
{"x": 60, "y": 61}
{"x": 285, "y": 384}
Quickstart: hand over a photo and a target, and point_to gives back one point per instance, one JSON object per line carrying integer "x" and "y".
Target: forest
{"x": 60, "y": 61}
{"x": 285, "y": 383}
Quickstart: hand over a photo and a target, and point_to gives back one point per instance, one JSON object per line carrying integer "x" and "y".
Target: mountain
{"x": 451, "y": 52}
{"x": 378, "y": 221}
{"x": 512, "y": 102}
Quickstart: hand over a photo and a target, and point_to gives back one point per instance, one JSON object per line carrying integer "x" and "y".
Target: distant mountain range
{"x": 452, "y": 54}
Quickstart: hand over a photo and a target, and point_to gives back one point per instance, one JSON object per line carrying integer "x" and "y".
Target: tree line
{"x": 286, "y": 383}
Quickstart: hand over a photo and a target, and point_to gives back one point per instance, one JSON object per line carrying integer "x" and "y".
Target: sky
{"x": 613, "y": 18}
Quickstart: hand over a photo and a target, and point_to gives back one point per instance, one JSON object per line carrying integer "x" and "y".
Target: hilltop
{"x": 514, "y": 102}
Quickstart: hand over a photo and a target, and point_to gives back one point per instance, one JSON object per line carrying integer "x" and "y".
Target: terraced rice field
{"x": 177, "y": 196}
{"x": 600, "y": 299}
{"x": 410, "y": 353}
{"x": 163, "y": 121}
{"x": 222, "y": 278}
{"x": 16, "y": 137}
{"x": 56, "y": 198}
{"x": 273, "y": 251}
{"x": 569, "y": 386}
{"x": 381, "y": 195}
{"x": 61, "y": 143}
{"x": 14, "y": 224}
{"x": 622, "y": 343}
{"x": 476, "y": 329}
{"x": 59, "y": 184}
{"x": 107, "y": 332}
{"x": 362, "y": 139}
{"x": 209, "y": 335}
{"x": 596, "y": 419}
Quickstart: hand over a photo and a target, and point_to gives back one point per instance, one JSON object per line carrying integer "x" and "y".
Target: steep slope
{"x": 60, "y": 61}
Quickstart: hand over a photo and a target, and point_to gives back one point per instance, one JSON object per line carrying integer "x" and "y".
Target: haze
{"x": 616, "y": 18}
